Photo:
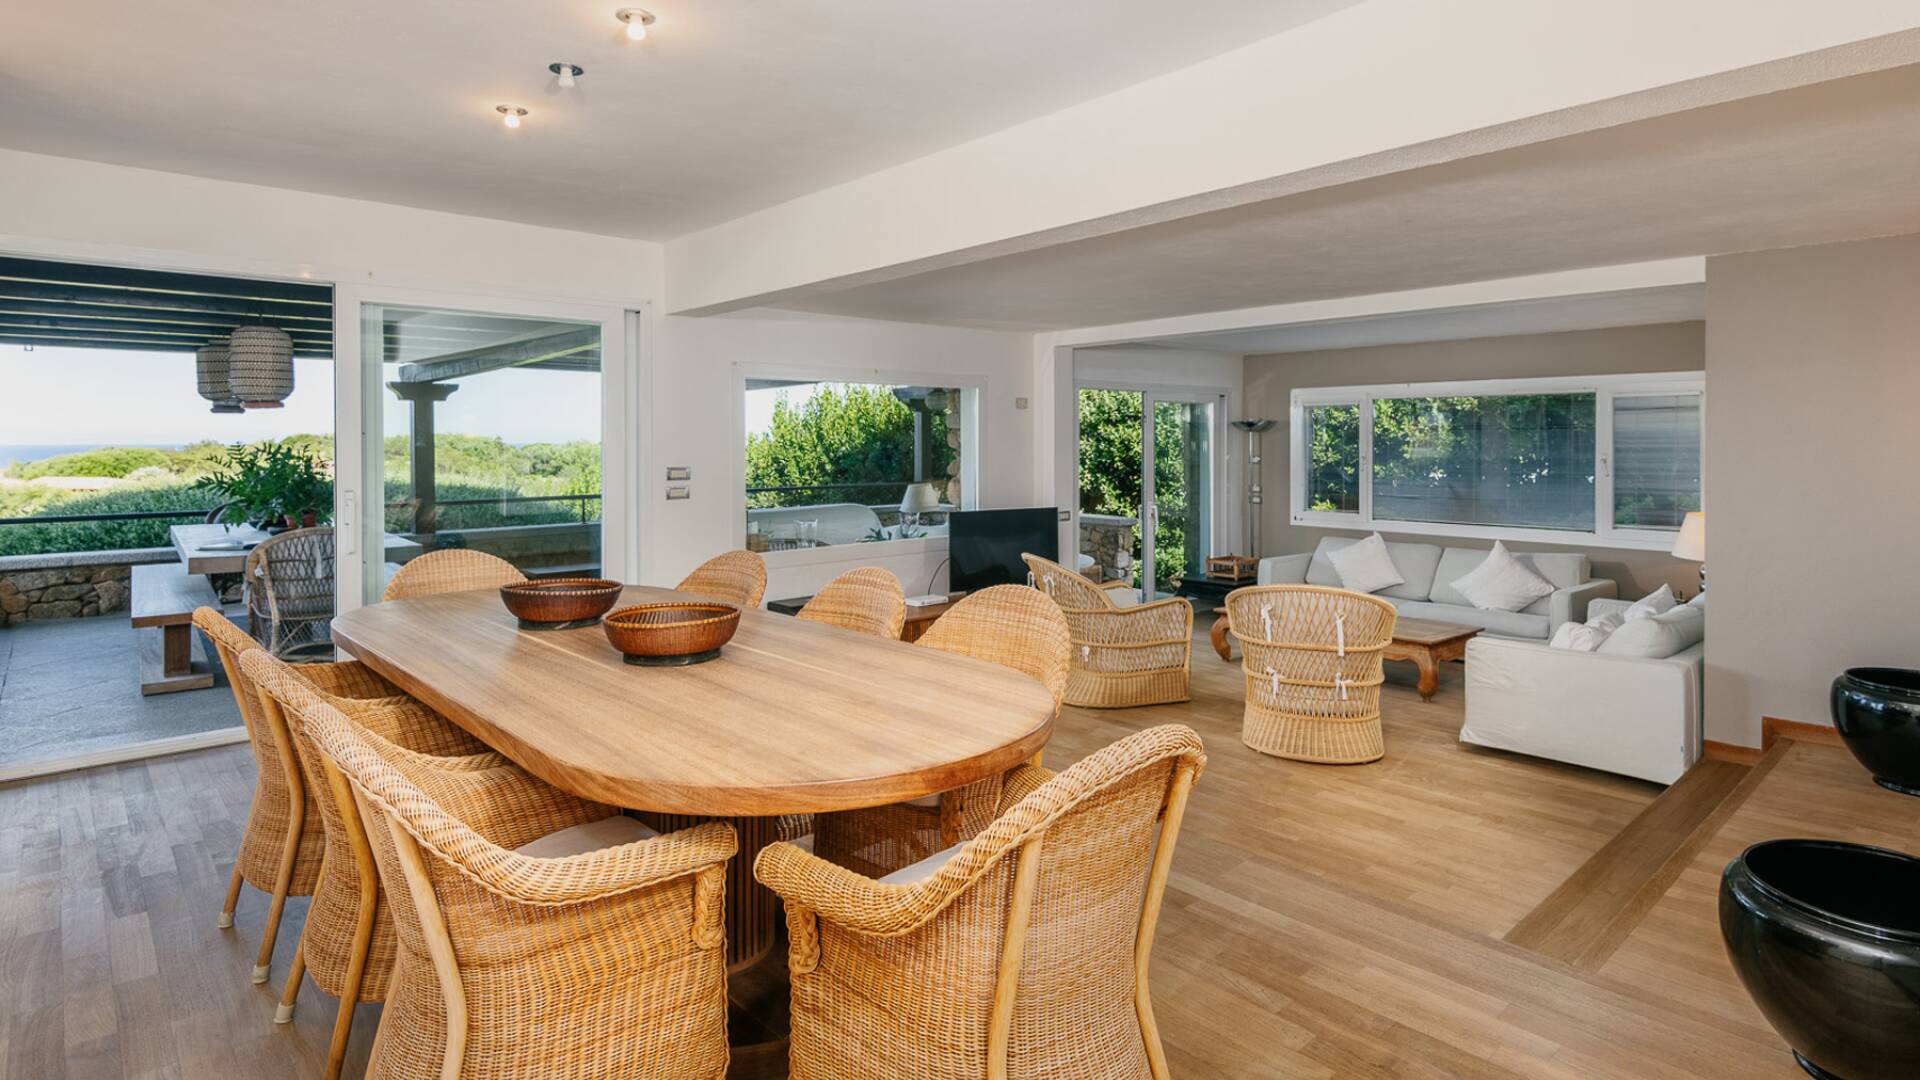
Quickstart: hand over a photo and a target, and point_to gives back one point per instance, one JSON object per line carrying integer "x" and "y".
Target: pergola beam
{"x": 543, "y": 349}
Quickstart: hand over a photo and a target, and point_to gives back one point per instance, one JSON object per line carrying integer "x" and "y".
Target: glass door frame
{"x": 358, "y": 421}
{"x": 1150, "y": 396}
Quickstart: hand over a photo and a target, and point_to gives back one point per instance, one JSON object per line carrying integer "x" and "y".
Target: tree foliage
{"x": 1111, "y": 461}
{"x": 845, "y": 434}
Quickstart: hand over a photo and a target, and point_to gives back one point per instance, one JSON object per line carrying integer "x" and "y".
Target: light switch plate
{"x": 679, "y": 472}
{"x": 679, "y": 493}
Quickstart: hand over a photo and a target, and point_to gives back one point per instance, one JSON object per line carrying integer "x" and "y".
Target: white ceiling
{"x": 730, "y": 106}
{"x": 1836, "y": 160}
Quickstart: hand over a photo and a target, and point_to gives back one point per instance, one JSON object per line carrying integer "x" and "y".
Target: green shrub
{"x": 99, "y": 535}
{"x": 113, "y": 461}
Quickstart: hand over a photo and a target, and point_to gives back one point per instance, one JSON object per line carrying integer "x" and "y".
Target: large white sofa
{"x": 835, "y": 523}
{"x": 1430, "y": 570}
{"x": 1630, "y": 714}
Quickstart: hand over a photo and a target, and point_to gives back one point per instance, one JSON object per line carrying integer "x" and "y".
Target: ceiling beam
{"x": 519, "y": 353}
{"x": 126, "y": 280}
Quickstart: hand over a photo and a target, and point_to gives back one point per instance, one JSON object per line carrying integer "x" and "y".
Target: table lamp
{"x": 919, "y": 499}
{"x": 1691, "y": 544}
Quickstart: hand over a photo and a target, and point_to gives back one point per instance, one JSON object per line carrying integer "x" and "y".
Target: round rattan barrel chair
{"x": 347, "y": 942}
{"x": 451, "y": 570}
{"x": 867, "y": 600}
{"x": 1021, "y": 953}
{"x": 290, "y": 592}
{"x": 530, "y": 946}
{"x": 1009, "y": 625}
{"x": 278, "y": 854}
{"x": 738, "y": 577}
{"x": 1122, "y": 656}
{"x": 1312, "y": 661}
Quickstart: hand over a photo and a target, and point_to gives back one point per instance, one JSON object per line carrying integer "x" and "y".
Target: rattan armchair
{"x": 290, "y": 592}
{"x": 347, "y": 942}
{"x": 738, "y": 577}
{"x": 1122, "y": 656}
{"x": 1024, "y": 954}
{"x": 451, "y": 570}
{"x": 1010, "y": 625}
{"x": 278, "y": 854}
{"x": 1312, "y": 657}
{"x": 867, "y": 600}
{"x": 611, "y": 962}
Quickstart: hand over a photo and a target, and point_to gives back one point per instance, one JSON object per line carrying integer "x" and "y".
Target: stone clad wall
{"x": 70, "y": 585}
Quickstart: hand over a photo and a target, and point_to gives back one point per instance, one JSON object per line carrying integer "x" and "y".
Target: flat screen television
{"x": 984, "y": 546}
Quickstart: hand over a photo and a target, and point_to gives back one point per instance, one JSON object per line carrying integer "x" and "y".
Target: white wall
{"x": 696, "y": 424}
{"x": 1812, "y": 501}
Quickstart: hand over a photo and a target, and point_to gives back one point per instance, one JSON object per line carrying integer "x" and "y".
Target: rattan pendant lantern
{"x": 211, "y": 368}
{"x": 260, "y": 360}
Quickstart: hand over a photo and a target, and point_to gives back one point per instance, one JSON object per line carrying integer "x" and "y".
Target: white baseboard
{"x": 114, "y": 755}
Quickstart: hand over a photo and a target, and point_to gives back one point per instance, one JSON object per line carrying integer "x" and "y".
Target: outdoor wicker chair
{"x": 1022, "y": 953}
{"x": 451, "y": 570}
{"x": 290, "y": 592}
{"x": 866, "y": 600}
{"x": 540, "y": 935}
{"x": 1122, "y": 656}
{"x": 1312, "y": 656}
{"x": 347, "y": 942}
{"x": 738, "y": 577}
{"x": 278, "y": 855}
{"x": 1010, "y": 625}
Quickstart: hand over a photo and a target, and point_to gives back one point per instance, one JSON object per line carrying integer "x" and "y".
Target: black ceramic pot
{"x": 1826, "y": 938}
{"x": 1877, "y": 710}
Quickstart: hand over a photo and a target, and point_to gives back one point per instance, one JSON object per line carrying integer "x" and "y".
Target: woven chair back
{"x": 1312, "y": 660}
{"x": 290, "y": 588}
{"x": 1009, "y": 625}
{"x": 1068, "y": 589}
{"x": 867, "y": 601}
{"x": 451, "y": 570}
{"x": 738, "y": 577}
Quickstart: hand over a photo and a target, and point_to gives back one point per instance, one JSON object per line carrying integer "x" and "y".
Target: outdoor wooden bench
{"x": 164, "y": 597}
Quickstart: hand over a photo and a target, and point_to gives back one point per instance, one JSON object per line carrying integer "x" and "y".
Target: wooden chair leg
{"x": 282, "y": 882}
{"x": 296, "y": 973}
{"x": 296, "y": 824}
{"x": 233, "y": 899}
{"x": 350, "y": 991}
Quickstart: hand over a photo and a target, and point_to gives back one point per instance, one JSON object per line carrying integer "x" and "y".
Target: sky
{"x": 111, "y": 397}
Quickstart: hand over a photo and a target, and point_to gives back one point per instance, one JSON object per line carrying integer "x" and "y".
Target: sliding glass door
{"x": 1148, "y": 468}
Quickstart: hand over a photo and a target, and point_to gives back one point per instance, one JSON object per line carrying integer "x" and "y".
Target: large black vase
{"x": 1826, "y": 938}
{"x": 1877, "y": 710}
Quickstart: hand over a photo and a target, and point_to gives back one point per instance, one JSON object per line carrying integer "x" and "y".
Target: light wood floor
{"x": 1321, "y": 921}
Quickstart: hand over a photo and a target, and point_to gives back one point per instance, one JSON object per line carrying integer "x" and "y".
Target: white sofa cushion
{"x": 1516, "y": 624}
{"x": 1654, "y": 603}
{"x": 1656, "y": 637}
{"x": 1501, "y": 582}
{"x": 1365, "y": 566}
{"x": 592, "y": 836}
{"x": 1563, "y": 569}
{"x": 1415, "y": 562}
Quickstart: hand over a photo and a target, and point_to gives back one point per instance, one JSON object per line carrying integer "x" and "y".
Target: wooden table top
{"x": 1429, "y": 632}
{"x": 191, "y": 542}
{"x": 794, "y": 717}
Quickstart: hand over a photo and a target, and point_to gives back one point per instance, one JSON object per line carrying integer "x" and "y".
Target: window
{"x": 831, "y": 463}
{"x": 1613, "y": 459}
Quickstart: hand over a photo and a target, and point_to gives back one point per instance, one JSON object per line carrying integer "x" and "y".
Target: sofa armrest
{"x": 1570, "y": 604}
{"x": 1602, "y": 606}
{"x": 1284, "y": 569}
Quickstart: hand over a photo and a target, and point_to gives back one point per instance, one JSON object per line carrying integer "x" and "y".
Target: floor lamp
{"x": 1253, "y": 428}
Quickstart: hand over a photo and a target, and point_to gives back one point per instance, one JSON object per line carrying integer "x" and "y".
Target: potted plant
{"x": 272, "y": 486}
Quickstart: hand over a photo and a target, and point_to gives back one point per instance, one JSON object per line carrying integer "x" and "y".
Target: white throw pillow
{"x": 1365, "y": 566}
{"x": 1502, "y": 582}
{"x": 1658, "y": 602}
{"x": 1587, "y": 636}
{"x": 1659, "y": 636}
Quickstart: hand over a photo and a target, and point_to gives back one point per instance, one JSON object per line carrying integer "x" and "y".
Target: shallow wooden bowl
{"x": 559, "y": 603}
{"x": 671, "y": 634}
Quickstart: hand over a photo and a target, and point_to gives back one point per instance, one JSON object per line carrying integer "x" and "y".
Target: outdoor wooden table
{"x": 192, "y": 541}
{"x": 1428, "y": 643}
{"x": 794, "y": 717}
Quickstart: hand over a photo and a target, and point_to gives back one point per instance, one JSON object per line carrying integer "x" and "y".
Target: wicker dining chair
{"x": 1122, "y": 656}
{"x": 738, "y": 577}
{"x": 1009, "y": 625}
{"x": 867, "y": 600}
{"x": 1312, "y": 659}
{"x": 290, "y": 592}
{"x": 451, "y": 570}
{"x": 1022, "y": 953}
{"x": 347, "y": 942}
{"x": 278, "y": 854}
{"x": 567, "y": 959}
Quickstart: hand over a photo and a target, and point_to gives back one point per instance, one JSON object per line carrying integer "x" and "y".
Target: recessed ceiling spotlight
{"x": 637, "y": 21}
{"x": 510, "y": 114}
{"x": 567, "y": 73}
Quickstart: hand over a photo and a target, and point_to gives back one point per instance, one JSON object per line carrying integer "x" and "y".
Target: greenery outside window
{"x": 1611, "y": 460}
{"x": 831, "y": 462}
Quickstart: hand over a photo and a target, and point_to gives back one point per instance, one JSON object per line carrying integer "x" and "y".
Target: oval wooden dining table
{"x": 793, "y": 717}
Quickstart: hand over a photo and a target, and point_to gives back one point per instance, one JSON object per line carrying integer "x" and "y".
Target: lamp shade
{"x": 1692, "y": 541}
{"x": 210, "y": 367}
{"x": 260, "y": 362}
{"x": 919, "y": 498}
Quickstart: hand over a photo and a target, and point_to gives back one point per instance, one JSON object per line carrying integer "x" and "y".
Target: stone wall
{"x": 1104, "y": 537}
{"x": 70, "y": 585}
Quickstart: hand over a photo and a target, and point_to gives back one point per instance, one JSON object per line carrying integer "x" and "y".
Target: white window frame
{"x": 1605, "y": 389}
{"x": 973, "y": 448}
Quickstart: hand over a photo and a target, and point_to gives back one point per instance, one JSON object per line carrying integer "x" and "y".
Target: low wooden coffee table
{"x": 1428, "y": 644}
